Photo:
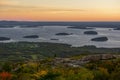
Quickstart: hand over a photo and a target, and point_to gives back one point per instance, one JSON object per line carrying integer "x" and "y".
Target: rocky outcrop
{"x": 84, "y": 60}
{"x": 98, "y": 57}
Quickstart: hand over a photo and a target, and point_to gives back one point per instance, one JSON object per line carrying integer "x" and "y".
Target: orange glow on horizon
{"x": 15, "y": 10}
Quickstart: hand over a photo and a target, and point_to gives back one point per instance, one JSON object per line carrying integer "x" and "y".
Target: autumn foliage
{"x": 5, "y": 76}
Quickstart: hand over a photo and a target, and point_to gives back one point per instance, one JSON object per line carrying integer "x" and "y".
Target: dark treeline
{"x": 78, "y": 24}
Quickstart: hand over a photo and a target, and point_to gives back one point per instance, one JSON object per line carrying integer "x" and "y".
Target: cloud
{"x": 12, "y": 6}
{"x": 59, "y": 9}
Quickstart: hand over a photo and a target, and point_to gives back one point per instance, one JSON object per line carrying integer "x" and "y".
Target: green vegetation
{"x": 21, "y": 51}
{"x": 49, "y": 61}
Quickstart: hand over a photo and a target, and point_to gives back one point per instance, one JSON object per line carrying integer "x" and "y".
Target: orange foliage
{"x": 5, "y": 76}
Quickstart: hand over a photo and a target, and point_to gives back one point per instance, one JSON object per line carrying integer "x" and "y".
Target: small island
{"x": 4, "y": 38}
{"x": 100, "y": 39}
{"x": 31, "y": 36}
{"x": 61, "y": 34}
{"x": 80, "y": 27}
{"x": 90, "y": 32}
{"x": 54, "y": 39}
{"x": 29, "y": 26}
{"x": 116, "y": 28}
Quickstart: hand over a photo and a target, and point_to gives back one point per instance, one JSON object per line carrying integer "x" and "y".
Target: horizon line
{"x": 53, "y": 21}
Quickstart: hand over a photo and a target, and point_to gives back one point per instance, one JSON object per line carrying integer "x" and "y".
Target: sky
{"x": 60, "y": 10}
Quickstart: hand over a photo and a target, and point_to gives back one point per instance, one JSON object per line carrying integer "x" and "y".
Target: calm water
{"x": 46, "y": 33}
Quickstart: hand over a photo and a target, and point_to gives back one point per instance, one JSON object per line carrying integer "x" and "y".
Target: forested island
{"x": 79, "y": 27}
{"x": 62, "y": 34}
{"x": 31, "y": 36}
{"x": 4, "y": 38}
{"x": 100, "y": 39}
{"x": 90, "y": 32}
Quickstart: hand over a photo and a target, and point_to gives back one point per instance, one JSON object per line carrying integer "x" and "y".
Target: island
{"x": 80, "y": 27}
{"x": 6, "y": 26}
{"x": 29, "y": 26}
{"x": 54, "y": 39}
{"x": 31, "y": 36}
{"x": 63, "y": 34}
{"x": 116, "y": 28}
{"x": 4, "y": 38}
{"x": 100, "y": 39}
{"x": 90, "y": 32}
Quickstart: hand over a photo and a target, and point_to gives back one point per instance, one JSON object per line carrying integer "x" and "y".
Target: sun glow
{"x": 60, "y": 10}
